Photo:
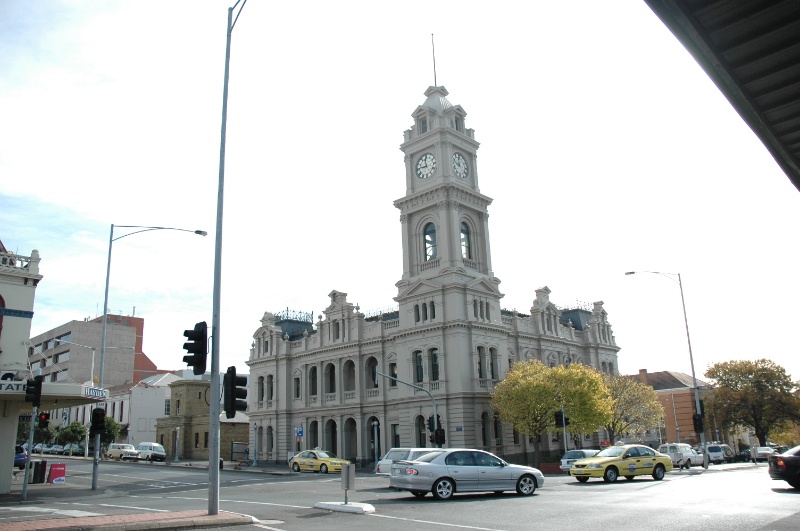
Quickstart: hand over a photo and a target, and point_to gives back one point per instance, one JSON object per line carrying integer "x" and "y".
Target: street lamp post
{"x": 111, "y": 240}
{"x": 213, "y": 417}
{"x": 691, "y": 357}
{"x": 255, "y": 444}
{"x": 177, "y": 444}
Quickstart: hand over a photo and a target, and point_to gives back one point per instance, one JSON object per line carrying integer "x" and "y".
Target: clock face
{"x": 426, "y": 166}
{"x": 460, "y": 166}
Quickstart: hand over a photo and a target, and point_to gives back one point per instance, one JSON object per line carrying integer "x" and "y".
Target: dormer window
{"x": 422, "y": 125}
{"x": 459, "y": 124}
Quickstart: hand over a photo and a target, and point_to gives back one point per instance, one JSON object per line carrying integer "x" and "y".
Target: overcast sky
{"x": 604, "y": 145}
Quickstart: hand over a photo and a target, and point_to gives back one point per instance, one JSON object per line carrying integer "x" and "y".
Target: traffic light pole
{"x": 435, "y": 414}
{"x": 34, "y": 415}
{"x": 213, "y": 421}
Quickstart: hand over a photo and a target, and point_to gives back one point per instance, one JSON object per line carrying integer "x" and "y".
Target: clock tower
{"x": 444, "y": 217}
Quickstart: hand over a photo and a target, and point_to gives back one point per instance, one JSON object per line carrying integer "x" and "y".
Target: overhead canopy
{"x": 751, "y": 50}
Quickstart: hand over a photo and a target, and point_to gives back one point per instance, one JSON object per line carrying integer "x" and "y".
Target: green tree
{"x": 110, "y": 433}
{"x": 75, "y": 433}
{"x": 635, "y": 406}
{"x": 758, "y": 395}
{"x": 532, "y": 393}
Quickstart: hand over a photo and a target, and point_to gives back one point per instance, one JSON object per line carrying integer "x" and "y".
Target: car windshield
{"x": 612, "y": 451}
{"x": 395, "y": 455}
{"x": 574, "y": 454}
{"x": 326, "y": 455}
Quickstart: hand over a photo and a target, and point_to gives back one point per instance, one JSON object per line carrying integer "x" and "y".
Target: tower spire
{"x": 433, "y": 49}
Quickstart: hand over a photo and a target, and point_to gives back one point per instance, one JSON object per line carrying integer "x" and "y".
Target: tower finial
{"x": 433, "y": 49}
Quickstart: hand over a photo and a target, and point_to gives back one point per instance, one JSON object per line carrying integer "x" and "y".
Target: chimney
{"x": 643, "y": 376}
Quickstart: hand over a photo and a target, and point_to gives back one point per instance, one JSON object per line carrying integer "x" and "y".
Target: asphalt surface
{"x": 41, "y": 496}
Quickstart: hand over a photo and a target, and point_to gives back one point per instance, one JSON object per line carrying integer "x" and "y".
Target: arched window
{"x": 498, "y": 430}
{"x": 336, "y": 330}
{"x": 481, "y": 368}
{"x": 434, "y": 356}
{"x": 269, "y": 387}
{"x": 485, "y": 427}
{"x": 349, "y": 376}
{"x": 416, "y": 313}
{"x": 430, "y": 242}
{"x": 260, "y": 391}
{"x": 330, "y": 378}
{"x": 312, "y": 381}
{"x": 421, "y": 439}
{"x": 433, "y": 310}
{"x": 493, "y": 363}
{"x": 418, "y": 367}
{"x": 475, "y": 308}
{"x": 372, "y": 371}
{"x": 610, "y": 368}
{"x": 466, "y": 248}
{"x": 424, "y": 312}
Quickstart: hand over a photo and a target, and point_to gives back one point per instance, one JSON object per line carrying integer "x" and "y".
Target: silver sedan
{"x": 462, "y": 470}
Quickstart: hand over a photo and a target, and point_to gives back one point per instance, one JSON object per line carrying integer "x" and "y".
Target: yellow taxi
{"x": 317, "y": 461}
{"x": 628, "y": 460}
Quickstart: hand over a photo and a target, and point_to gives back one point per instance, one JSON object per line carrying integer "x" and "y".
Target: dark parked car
{"x": 20, "y": 457}
{"x": 786, "y": 466}
{"x": 742, "y": 457}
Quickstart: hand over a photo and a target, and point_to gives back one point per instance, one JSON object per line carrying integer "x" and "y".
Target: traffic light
{"x": 439, "y": 436}
{"x": 98, "y": 421}
{"x": 431, "y": 438}
{"x": 233, "y": 388}
{"x": 33, "y": 390}
{"x": 559, "y": 419}
{"x": 44, "y": 420}
{"x": 197, "y": 347}
{"x": 698, "y": 423}
{"x": 430, "y": 425}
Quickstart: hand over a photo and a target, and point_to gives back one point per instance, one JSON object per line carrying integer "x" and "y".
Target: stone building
{"x": 340, "y": 381}
{"x": 186, "y": 421}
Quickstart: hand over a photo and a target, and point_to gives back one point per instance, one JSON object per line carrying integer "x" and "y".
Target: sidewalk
{"x": 42, "y": 509}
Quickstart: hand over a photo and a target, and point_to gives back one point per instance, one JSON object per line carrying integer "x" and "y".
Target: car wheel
{"x": 688, "y": 464}
{"x": 419, "y": 493}
{"x": 443, "y": 489}
{"x": 295, "y": 467}
{"x": 658, "y": 473}
{"x": 610, "y": 475}
{"x": 323, "y": 468}
{"x": 582, "y": 479}
{"x": 629, "y": 478}
{"x": 526, "y": 485}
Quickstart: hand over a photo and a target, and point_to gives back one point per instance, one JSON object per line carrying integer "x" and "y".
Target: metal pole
{"x": 34, "y": 414}
{"x": 96, "y": 464}
{"x": 375, "y": 425}
{"x": 213, "y": 421}
{"x": 564, "y": 428}
{"x": 255, "y": 444}
{"x": 694, "y": 379}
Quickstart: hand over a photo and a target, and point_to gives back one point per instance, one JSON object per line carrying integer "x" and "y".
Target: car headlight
{"x": 595, "y": 465}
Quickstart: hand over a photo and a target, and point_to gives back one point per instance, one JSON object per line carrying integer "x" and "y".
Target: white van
{"x": 150, "y": 451}
{"x": 719, "y": 453}
{"x": 384, "y": 467}
{"x": 681, "y": 454}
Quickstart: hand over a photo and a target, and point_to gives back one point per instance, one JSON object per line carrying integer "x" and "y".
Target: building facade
{"x": 356, "y": 384}
{"x": 185, "y": 426}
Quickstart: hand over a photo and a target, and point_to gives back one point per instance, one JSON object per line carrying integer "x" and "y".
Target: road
{"x": 730, "y": 497}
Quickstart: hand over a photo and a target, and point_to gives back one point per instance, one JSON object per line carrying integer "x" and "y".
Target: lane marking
{"x": 64, "y": 512}
{"x": 460, "y": 526}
